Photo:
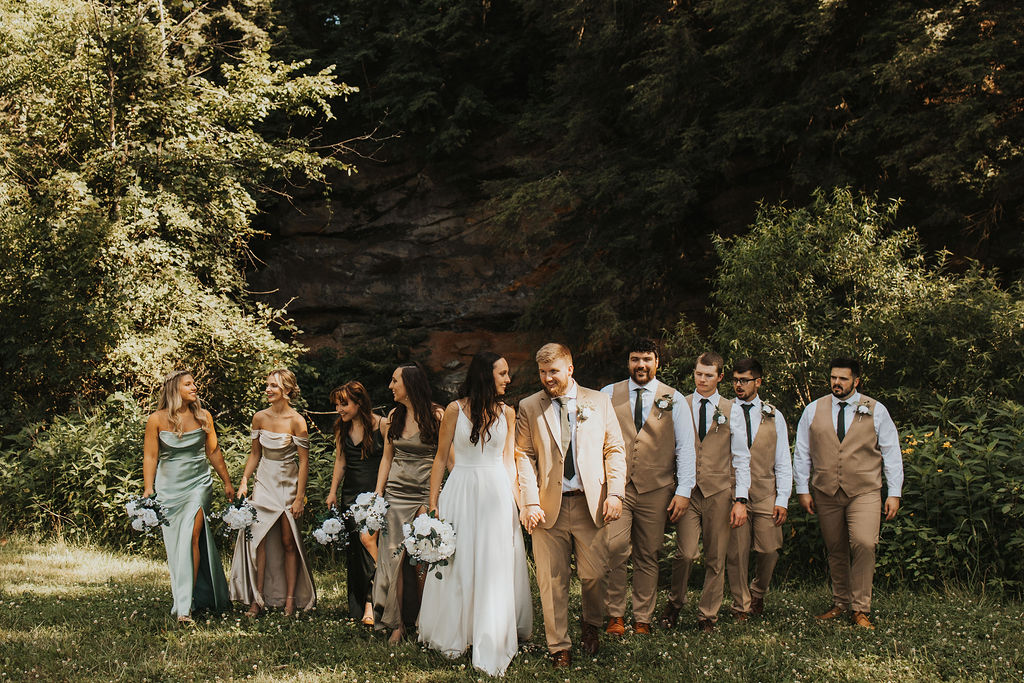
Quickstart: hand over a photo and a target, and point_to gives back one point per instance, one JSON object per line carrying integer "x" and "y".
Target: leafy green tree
{"x": 138, "y": 140}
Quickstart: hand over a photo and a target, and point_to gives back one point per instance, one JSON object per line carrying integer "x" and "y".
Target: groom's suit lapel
{"x": 550, "y": 413}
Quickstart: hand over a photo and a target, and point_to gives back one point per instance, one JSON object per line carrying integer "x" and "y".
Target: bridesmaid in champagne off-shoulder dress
{"x": 180, "y": 445}
{"x": 270, "y": 568}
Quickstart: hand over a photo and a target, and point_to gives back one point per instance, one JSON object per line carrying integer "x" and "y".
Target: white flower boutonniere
{"x": 719, "y": 418}
{"x": 863, "y": 408}
{"x": 664, "y": 403}
{"x": 767, "y": 408}
{"x": 584, "y": 409}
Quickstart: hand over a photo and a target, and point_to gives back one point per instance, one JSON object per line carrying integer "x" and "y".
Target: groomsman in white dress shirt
{"x": 771, "y": 481}
{"x": 718, "y": 501}
{"x": 660, "y": 473}
{"x": 843, "y": 443}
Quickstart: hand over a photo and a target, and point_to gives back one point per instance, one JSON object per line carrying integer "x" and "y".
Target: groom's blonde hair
{"x": 553, "y": 351}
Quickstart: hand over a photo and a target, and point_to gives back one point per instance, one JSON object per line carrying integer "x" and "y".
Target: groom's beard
{"x": 557, "y": 390}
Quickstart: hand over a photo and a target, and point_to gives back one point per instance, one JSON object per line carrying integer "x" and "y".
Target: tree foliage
{"x": 137, "y": 140}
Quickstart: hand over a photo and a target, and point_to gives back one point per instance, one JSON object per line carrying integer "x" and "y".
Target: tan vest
{"x": 762, "y": 463}
{"x": 651, "y": 453}
{"x": 714, "y": 453}
{"x": 855, "y": 465}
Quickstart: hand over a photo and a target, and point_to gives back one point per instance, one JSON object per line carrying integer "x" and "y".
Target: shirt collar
{"x": 714, "y": 398}
{"x": 850, "y": 400}
{"x": 755, "y": 402}
{"x": 571, "y": 390}
{"x": 650, "y": 386}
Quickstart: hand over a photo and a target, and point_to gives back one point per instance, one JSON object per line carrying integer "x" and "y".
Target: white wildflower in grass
{"x": 430, "y": 541}
{"x": 146, "y": 514}
{"x": 238, "y": 516}
{"x": 332, "y": 530}
{"x": 369, "y": 512}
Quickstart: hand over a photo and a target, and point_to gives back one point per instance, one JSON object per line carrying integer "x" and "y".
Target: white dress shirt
{"x": 737, "y": 438}
{"x": 783, "y": 465}
{"x": 885, "y": 431}
{"x": 686, "y": 454}
{"x": 569, "y": 396}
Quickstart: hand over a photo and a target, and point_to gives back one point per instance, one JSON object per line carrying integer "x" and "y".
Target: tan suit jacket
{"x": 600, "y": 454}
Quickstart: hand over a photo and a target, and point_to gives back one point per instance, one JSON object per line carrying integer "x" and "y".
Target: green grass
{"x": 85, "y": 613}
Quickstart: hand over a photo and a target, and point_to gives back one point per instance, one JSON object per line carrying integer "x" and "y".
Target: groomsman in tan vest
{"x": 718, "y": 502}
{"x": 660, "y": 472}
{"x": 572, "y": 478}
{"x": 843, "y": 443}
{"x": 771, "y": 481}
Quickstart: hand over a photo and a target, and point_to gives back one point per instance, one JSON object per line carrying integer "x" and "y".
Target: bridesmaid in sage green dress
{"x": 180, "y": 446}
{"x": 404, "y": 481}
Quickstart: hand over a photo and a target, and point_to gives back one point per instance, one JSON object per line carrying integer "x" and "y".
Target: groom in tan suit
{"x": 572, "y": 477}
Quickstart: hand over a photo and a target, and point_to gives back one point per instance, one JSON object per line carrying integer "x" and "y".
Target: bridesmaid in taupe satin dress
{"x": 404, "y": 480}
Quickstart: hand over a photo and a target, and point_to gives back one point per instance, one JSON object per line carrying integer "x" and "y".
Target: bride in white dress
{"x": 483, "y": 596}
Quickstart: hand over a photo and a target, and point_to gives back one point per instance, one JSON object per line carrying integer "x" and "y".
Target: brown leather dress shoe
{"x": 670, "y": 616}
{"x": 861, "y": 619}
{"x": 616, "y": 627}
{"x": 705, "y": 625}
{"x": 642, "y": 628}
{"x": 832, "y": 613}
{"x": 756, "y": 606}
{"x": 561, "y": 659}
{"x": 740, "y": 616}
{"x": 591, "y": 643}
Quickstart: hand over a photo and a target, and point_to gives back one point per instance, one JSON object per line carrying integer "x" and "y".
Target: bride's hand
{"x": 243, "y": 489}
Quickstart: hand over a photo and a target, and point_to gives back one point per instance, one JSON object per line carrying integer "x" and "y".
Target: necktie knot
{"x": 843, "y": 404}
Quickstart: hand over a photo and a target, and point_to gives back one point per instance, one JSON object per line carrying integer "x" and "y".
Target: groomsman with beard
{"x": 572, "y": 478}
{"x": 771, "y": 480}
{"x": 660, "y": 472}
{"x": 718, "y": 502}
{"x": 843, "y": 443}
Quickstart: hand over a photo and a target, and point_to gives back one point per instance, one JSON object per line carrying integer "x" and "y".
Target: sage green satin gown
{"x": 183, "y": 486}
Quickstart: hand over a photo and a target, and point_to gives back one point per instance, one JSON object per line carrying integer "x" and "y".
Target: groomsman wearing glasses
{"x": 719, "y": 499}
{"x": 771, "y": 481}
{"x": 843, "y": 443}
{"x": 660, "y": 472}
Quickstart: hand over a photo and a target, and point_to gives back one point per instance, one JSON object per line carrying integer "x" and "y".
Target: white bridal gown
{"x": 483, "y": 596}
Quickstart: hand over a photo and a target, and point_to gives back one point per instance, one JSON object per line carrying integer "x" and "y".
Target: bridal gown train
{"x": 483, "y": 596}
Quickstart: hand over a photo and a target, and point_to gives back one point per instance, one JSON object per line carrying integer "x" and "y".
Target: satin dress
{"x": 483, "y": 596}
{"x": 277, "y": 481}
{"x": 360, "y": 477}
{"x": 407, "y": 490}
{"x": 183, "y": 485}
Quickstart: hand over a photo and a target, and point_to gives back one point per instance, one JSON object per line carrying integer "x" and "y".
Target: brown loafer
{"x": 705, "y": 626}
{"x": 616, "y": 627}
{"x": 861, "y": 619}
{"x": 756, "y": 606}
{"x": 670, "y": 616}
{"x": 740, "y": 616}
{"x": 642, "y": 628}
{"x": 561, "y": 659}
{"x": 591, "y": 642}
{"x": 832, "y": 613}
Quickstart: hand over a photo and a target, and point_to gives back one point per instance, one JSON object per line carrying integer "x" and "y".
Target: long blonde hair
{"x": 170, "y": 400}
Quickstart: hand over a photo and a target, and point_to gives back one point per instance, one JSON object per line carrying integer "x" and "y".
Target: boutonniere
{"x": 767, "y": 408}
{"x": 863, "y": 408}
{"x": 664, "y": 403}
{"x": 584, "y": 409}
{"x": 719, "y": 418}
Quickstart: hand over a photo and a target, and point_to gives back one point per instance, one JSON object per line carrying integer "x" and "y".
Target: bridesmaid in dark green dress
{"x": 179, "y": 448}
{"x": 359, "y": 444}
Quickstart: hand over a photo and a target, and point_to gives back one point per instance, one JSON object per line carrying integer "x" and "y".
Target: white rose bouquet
{"x": 369, "y": 512}
{"x": 238, "y": 516}
{"x": 429, "y": 540}
{"x": 146, "y": 514}
{"x": 332, "y": 530}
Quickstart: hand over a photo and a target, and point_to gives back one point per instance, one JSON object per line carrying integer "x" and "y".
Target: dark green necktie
{"x": 702, "y": 429}
{"x": 746, "y": 416}
{"x": 569, "y": 467}
{"x": 638, "y": 409}
{"x": 841, "y": 421}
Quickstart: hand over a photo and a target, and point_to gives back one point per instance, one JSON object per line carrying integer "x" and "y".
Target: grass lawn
{"x": 84, "y": 613}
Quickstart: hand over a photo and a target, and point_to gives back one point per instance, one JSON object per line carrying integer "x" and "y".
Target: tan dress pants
{"x": 573, "y": 531}
{"x": 640, "y": 533}
{"x": 767, "y": 539}
{"x": 707, "y": 518}
{"x": 849, "y": 526}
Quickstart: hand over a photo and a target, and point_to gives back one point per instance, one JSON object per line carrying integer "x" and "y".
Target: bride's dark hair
{"x": 417, "y": 387}
{"x": 479, "y": 389}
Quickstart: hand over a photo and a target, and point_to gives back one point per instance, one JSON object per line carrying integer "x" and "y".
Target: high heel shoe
{"x": 289, "y": 605}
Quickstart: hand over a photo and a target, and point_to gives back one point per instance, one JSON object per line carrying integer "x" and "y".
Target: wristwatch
{"x": 741, "y": 500}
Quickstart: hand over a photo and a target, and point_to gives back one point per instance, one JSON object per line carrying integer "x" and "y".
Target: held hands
{"x": 296, "y": 508}
{"x": 779, "y": 515}
{"x": 738, "y": 516}
{"x": 530, "y": 517}
{"x": 892, "y": 506}
{"x": 806, "y": 502}
{"x": 612, "y": 508}
{"x": 676, "y": 507}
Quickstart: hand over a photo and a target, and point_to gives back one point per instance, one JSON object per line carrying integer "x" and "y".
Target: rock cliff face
{"x": 397, "y": 247}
